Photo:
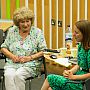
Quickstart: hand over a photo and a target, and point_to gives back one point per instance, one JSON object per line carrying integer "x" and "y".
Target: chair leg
{"x": 30, "y": 84}
{"x": 84, "y": 87}
{"x": 2, "y": 83}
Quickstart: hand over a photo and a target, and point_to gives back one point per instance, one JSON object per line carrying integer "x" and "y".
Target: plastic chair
{"x": 44, "y": 71}
{"x": 2, "y": 72}
{"x": 1, "y": 78}
{"x": 2, "y": 56}
{"x": 2, "y": 38}
{"x": 85, "y": 83}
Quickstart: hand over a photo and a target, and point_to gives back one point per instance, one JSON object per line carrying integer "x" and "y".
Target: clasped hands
{"x": 21, "y": 59}
{"x": 68, "y": 74}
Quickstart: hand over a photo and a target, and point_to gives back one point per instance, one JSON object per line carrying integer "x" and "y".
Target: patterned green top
{"x": 58, "y": 82}
{"x": 33, "y": 43}
{"x": 83, "y": 57}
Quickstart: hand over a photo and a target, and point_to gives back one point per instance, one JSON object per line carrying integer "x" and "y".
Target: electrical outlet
{"x": 59, "y": 23}
{"x": 53, "y": 22}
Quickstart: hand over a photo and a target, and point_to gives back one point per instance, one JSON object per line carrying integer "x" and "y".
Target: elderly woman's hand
{"x": 15, "y": 58}
{"x": 24, "y": 59}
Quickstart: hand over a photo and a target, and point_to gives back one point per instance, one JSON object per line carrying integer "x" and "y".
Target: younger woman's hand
{"x": 66, "y": 73}
{"x": 71, "y": 76}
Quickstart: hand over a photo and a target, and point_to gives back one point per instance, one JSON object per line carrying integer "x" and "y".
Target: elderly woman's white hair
{"x": 21, "y": 14}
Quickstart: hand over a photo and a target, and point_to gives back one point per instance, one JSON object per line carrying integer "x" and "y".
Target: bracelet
{"x": 31, "y": 57}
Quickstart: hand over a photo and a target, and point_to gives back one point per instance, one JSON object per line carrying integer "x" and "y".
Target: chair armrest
{"x": 51, "y": 50}
{"x": 41, "y": 58}
{"x": 85, "y": 83}
{"x": 2, "y": 56}
{"x": 76, "y": 82}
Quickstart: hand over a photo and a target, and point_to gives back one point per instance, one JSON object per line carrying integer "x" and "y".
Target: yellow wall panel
{"x": 46, "y": 23}
{"x": 31, "y": 4}
{"x": 82, "y": 9}
{"x": 54, "y": 27}
{"x": 3, "y": 9}
{"x": 74, "y": 17}
{"x": 39, "y": 14}
{"x": 60, "y": 29}
{"x": 67, "y": 13}
{"x": 12, "y": 9}
{"x": 22, "y": 3}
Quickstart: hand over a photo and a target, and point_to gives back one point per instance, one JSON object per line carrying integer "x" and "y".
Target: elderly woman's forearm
{"x": 7, "y": 53}
{"x": 37, "y": 55}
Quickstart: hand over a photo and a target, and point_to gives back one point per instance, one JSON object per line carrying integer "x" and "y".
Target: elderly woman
{"x": 79, "y": 72}
{"x": 23, "y": 46}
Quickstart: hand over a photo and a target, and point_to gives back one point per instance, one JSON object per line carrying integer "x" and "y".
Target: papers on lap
{"x": 63, "y": 61}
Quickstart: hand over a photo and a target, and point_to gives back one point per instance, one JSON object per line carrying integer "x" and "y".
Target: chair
{"x": 2, "y": 78}
{"x": 2, "y": 37}
{"x": 52, "y": 50}
{"x": 2, "y": 56}
{"x": 42, "y": 71}
{"x": 85, "y": 83}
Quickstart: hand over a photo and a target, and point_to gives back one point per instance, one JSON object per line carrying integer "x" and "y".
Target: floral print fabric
{"x": 32, "y": 44}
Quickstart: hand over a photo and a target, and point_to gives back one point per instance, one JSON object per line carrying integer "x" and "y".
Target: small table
{"x": 53, "y": 67}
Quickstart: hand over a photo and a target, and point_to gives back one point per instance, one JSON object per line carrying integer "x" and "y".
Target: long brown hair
{"x": 84, "y": 27}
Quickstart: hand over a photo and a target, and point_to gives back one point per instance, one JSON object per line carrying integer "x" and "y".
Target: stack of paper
{"x": 63, "y": 61}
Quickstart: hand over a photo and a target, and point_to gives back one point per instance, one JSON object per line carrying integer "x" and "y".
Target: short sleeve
{"x": 41, "y": 41}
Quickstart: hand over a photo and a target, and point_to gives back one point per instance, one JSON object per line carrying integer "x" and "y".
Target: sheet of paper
{"x": 63, "y": 61}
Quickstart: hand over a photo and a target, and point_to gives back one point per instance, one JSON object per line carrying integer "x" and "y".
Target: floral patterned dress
{"x": 58, "y": 82}
{"x": 32, "y": 44}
